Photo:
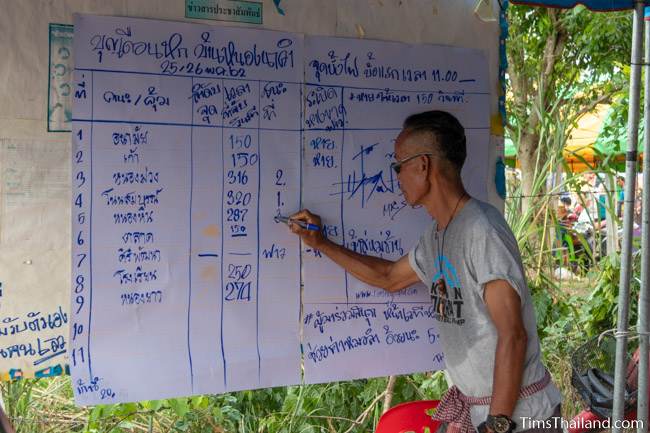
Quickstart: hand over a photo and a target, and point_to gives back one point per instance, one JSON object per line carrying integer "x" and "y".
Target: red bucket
{"x": 409, "y": 417}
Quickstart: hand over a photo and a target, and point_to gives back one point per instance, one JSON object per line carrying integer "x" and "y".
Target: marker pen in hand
{"x": 302, "y": 224}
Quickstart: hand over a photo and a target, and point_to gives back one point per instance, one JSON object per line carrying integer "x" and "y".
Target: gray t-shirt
{"x": 479, "y": 247}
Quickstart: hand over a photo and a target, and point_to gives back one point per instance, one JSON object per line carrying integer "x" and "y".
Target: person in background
{"x": 638, "y": 205}
{"x": 470, "y": 260}
{"x": 593, "y": 213}
{"x": 570, "y": 214}
{"x": 620, "y": 195}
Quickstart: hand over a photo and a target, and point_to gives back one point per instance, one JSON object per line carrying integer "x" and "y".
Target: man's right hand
{"x": 313, "y": 238}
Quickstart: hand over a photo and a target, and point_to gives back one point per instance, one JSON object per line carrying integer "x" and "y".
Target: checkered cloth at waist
{"x": 454, "y": 408}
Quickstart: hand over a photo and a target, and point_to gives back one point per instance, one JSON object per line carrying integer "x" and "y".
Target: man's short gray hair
{"x": 450, "y": 143}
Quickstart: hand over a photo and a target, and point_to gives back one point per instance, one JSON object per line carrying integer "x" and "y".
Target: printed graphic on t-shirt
{"x": 446, "y": 294}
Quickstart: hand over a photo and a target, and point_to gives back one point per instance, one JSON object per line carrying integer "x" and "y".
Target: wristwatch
{"x": 500, "y": 423}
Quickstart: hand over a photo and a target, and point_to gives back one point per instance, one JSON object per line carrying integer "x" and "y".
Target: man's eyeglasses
{"x": 397, "y": 165}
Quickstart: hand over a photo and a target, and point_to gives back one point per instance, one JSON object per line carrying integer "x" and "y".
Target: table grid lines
{"x": 189, "y": 253}
{"x": 301, "y": 130}
{"x": 90, "y": 226}
{"x": 223, "y": 163}
{"x": 259, "y": 189}
{"x": 304, "y": 82}
{"x": 345, "y": 273}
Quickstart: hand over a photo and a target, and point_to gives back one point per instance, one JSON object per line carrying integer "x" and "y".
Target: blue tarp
{"x": 595, "y": 5}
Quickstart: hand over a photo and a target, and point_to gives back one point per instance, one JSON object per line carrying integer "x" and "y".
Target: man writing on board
{"x": 485, "y": 317}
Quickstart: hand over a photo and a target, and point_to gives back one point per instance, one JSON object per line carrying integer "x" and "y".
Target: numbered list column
{"x": 83, "y": 380}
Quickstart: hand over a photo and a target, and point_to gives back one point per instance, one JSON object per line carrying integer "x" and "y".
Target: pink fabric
{"x": 454, "y": 406}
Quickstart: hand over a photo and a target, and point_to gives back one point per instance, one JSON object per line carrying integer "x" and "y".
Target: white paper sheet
{"x": 358, "y": 94}
{"x": 187, "y": 143}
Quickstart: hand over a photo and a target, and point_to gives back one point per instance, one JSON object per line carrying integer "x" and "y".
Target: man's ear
{"x": 427, "y": 164}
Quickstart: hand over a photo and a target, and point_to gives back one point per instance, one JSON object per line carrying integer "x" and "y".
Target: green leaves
{"x": 434, "y": 385}
{"x": 152, "y": 405}
{"x": 180, "y": 406}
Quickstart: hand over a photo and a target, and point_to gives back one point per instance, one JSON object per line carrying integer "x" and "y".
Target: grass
{"x": 46, "y": 405}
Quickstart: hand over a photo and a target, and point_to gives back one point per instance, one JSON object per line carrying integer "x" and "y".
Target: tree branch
{"x": 602, "y": 99}
{"x": 552, "y": 48}
{"x": 362, "y": 417}
{"x": 388, "y": 398}
{"x": 517, "y": 77}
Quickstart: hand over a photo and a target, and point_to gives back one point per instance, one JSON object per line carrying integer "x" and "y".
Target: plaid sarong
{"x": 454, "y": 406}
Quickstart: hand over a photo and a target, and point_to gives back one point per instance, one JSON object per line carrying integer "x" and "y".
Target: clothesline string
{"x": 551, "y": 194}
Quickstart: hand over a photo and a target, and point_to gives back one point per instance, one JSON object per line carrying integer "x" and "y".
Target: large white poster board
{"x": 188, "y": 140}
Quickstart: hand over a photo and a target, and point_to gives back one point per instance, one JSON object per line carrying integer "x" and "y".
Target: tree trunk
{"x": 527, "y": 154}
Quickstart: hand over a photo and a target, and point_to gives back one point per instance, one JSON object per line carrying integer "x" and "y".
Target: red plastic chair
{"x": 408, "y": 417}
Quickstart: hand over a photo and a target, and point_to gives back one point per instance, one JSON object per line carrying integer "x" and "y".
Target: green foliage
{"x": 562, "y": 63}
{"x": 354, "y": 406}
{"x": 611, "y": 144}
{"x": 566, "y": 319}
{"x": 600, "y": 309}
{"x": 589, "y": 52}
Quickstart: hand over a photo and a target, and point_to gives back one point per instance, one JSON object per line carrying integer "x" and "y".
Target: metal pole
{"x": 630, "y": 189}
{"x": 644, "y": 300}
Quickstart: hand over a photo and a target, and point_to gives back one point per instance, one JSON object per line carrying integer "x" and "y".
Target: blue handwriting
{"x": 320, "y": 319}
{"x": 132, "y": 198}
{"x": 120, "y": 46}
{"x": 35, "y": 322}
{"x": 131, "y": 177}
{"x": 139, "y": 276}
{"x": 392, "y": 337}
{"x": 406, "y": 314}
{"x": 322, "y": 351}
{"x": 335, "y": 66}
{"x": 141, "y": 255}
{"x": 137, "y": 298}
{"x": 138, "y": 237}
